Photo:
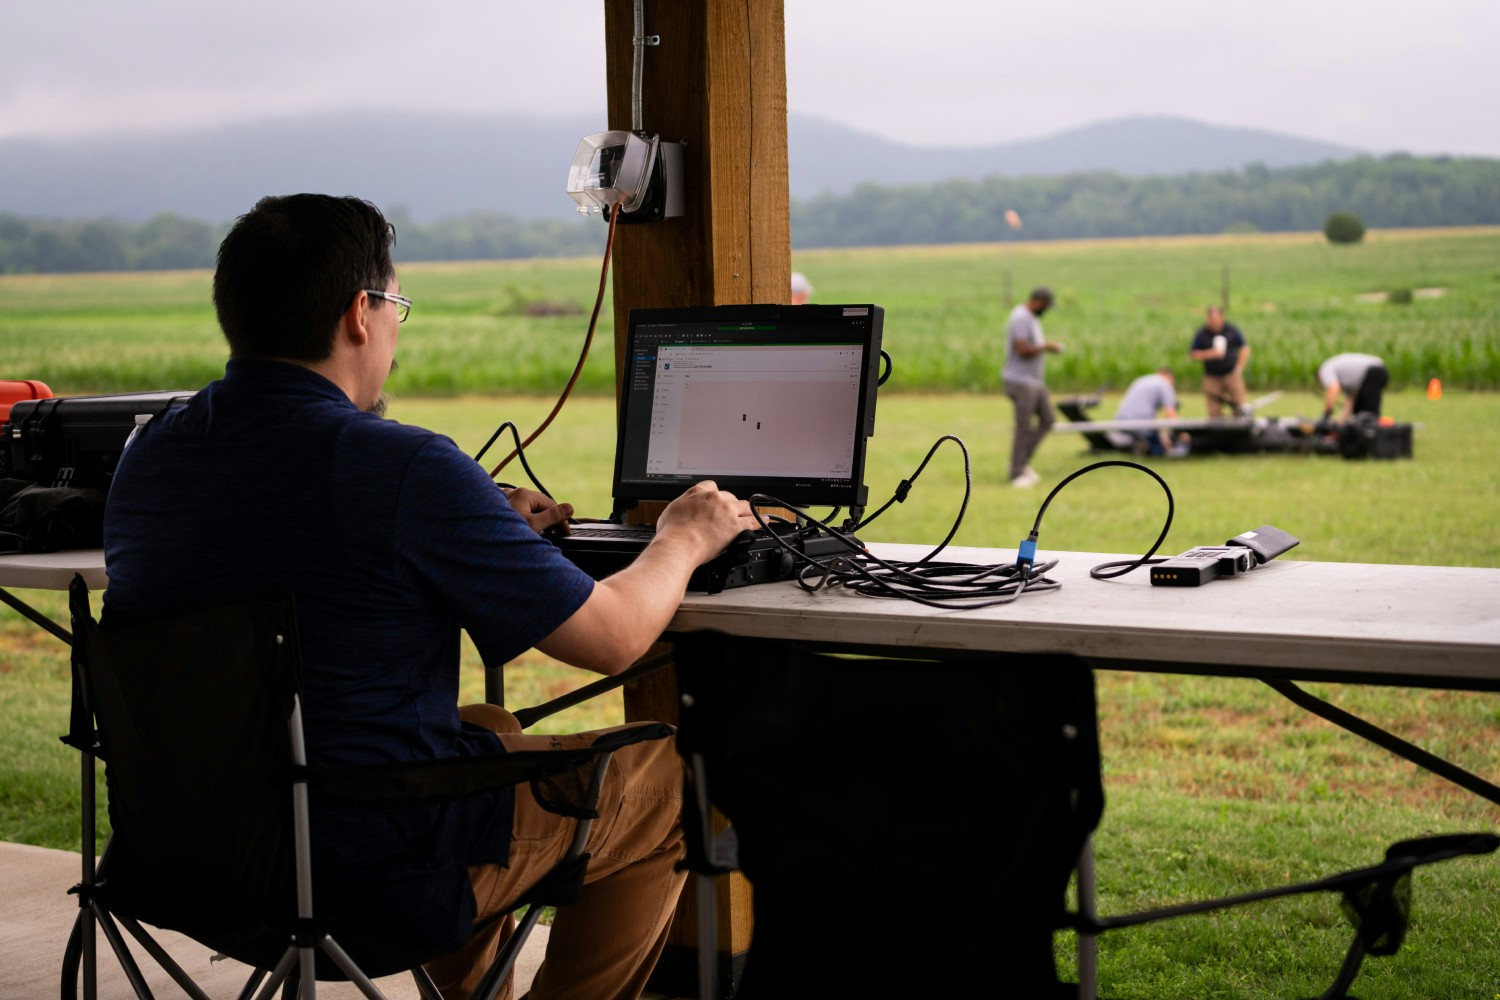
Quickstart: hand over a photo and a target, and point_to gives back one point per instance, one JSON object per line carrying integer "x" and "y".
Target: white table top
{"x": 53, "y": 570}
{"x": 1432, "y": 624}
{"x": 1420, "y": 624}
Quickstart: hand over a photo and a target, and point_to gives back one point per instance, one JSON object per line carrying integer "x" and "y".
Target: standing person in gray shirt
{"x": 1025, "y": 350}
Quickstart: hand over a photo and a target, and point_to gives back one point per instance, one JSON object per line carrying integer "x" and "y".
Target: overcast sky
{"x": 1419, "y": 76}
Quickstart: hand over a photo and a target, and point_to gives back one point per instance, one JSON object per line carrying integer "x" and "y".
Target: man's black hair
{"x": 291, "y": 266}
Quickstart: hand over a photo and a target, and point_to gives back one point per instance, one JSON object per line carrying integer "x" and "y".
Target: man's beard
{"x": 382, "y": 399}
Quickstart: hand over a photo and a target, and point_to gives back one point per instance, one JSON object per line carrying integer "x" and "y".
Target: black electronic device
{"x": 1207, "y": 563}
{"x": 760, "y": 399}
{"x": 76, "y": 440}
{"x": 753, "y": 557}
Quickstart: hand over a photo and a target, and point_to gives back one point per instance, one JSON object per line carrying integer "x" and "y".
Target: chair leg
{"x": 489, "y": 986}
{"x": 73, "y": 958}
{"x": 307, "y": 963}
{"x": 355, "y": 973}
{"x": 426, "y": 988}
{"x": 122, "y": 952}
{"x": 85, "y": 925}
{"x": 278, "y": 975}
{"x": 159, "y": 954}
{"x": 247, "y": 992}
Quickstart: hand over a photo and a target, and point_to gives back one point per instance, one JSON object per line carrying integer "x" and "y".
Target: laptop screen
{"x": 761, "y": 399}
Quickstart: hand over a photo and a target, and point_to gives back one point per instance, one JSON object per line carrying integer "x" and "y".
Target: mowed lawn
{"x": 1213, "y": 785}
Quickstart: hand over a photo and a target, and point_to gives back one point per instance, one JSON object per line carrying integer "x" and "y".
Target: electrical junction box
{"x": 634, "y": 173}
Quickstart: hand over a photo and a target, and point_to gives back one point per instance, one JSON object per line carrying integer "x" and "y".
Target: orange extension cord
{"x": 609, "y": 244}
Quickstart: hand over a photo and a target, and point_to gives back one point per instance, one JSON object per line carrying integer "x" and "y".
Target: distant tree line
{"x": 1390, "y": 192}
{"x": 492, "y": 236}
{"x": 167, "y": 242}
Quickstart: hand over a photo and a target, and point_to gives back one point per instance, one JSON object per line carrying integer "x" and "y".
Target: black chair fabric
{"x": 192, "y": 715}
{"x": 905, "y": 825}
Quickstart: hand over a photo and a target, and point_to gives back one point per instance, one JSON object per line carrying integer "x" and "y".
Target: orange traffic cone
{"x": 1434, "y": 389}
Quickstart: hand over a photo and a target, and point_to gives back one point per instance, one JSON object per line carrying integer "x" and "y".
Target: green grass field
{"x": 1124, "y": 307}
{"x": 1214, "y": 785}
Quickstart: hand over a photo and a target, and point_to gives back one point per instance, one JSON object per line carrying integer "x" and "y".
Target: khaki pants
{"x": 1218, "y": 387}
{"x": 606, "y": 944}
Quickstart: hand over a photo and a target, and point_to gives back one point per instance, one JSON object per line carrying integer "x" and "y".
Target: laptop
{"x": 761, "y": 399}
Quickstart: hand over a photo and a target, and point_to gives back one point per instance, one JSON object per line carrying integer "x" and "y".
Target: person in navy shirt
{"x": 286, "y": 474}
{"x": 1221, "y": 347}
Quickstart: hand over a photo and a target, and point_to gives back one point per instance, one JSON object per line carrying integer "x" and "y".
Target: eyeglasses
{"x": 403, "y": 304}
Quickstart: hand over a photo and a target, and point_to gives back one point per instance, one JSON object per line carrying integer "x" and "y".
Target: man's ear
{"x": 354, "y": 324}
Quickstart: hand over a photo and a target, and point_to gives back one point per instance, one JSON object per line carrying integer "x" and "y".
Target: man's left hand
{"x": 539, "y": 511}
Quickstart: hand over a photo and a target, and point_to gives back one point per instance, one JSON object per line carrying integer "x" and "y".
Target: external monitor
{"x": 761, "y": 399}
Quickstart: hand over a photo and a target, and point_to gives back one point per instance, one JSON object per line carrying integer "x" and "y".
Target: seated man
{"x": 1361, "y": 378}
{"x": 284, "y": 474}
{"x": 1147, "y": 397}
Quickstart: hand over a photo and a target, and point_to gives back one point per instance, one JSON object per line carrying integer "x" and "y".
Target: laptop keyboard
{"x": 614, "y": 530}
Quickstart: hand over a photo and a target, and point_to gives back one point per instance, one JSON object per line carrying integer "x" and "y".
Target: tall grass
{"x": 1124, "y": 307}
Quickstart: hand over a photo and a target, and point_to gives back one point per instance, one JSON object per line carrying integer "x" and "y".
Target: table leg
{"x": 494, "y": 684}
{"x": 35, "y": 616}
{"x": 653, "y": 696}
{"x": 1088, "y": 945}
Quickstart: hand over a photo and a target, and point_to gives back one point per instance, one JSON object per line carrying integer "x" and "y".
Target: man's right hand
{"x": 705, "y": 518}
{"x": 626, "y": 612}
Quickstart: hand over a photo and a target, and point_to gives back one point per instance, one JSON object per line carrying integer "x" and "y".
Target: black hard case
{"x": 76, "y": 440}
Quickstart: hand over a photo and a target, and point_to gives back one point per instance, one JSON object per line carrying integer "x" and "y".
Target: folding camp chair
{"x": 199, "y": 720}
{"x": 911, "y": 826}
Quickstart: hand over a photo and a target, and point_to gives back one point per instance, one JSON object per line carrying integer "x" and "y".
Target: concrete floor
{"x": 36, "y": 916}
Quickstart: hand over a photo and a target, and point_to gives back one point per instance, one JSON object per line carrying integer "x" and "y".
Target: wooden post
{"x": 716, "y": 81}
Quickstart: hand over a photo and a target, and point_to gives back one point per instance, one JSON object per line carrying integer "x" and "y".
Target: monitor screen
{"x": 760, "y": 399}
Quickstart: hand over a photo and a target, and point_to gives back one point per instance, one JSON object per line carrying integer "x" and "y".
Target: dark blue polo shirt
{"x": 391, "y": 540}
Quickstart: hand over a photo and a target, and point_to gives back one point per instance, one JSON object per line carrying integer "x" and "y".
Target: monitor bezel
{"x": 788, "y": 489}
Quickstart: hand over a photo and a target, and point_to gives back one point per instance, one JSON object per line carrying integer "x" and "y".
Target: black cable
{"x": 520, "y": 453}
{"x": 1129, "y": 564}
{"x": 903, "y": 489}
{"x": 936, "y": 584}
{"x": 942, "y": 584}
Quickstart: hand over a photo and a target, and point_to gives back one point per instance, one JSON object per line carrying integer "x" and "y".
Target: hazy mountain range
{"x": 436, "y": 165}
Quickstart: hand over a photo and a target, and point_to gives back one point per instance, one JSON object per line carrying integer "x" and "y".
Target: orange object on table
{"x": 16, "y": 389}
